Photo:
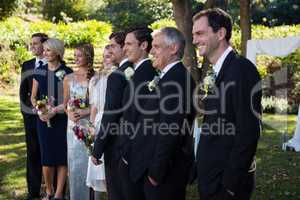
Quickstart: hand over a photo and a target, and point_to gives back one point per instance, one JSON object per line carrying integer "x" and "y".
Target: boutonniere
{"x": 209, "y": 82}
{"x": 153, "y": 84}
{"x": 129, "y": 73}
{"x": 60, "y": 74}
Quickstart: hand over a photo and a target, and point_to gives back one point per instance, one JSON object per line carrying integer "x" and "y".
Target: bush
{"x": 275, "y": 105}
{"x": 15, "y": 35}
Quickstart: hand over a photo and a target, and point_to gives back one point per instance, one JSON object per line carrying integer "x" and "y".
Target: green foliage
{"x": 126, "y": 14}
{"x": 7, "y": 7}
{"x": 65, "y": 10}
{"x": 276, "y": 12}
{"x": 162, "y": 23}
{"x": 15, "y": 35}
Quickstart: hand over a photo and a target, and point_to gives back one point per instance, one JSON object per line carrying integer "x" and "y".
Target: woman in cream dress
{"x": 97, "y": 89}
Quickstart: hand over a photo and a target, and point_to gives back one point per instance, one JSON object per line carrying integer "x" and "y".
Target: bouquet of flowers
{"x": 83, "y": 132}
{"x": 43, "y": 107}
{"x": 77, "y": 103}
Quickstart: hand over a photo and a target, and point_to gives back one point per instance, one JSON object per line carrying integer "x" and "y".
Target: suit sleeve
{"x": 246, "y": 106}
{"x": 168, "y": 133}
{"x": 112, "y": 112}
{"x": 24, "y": 87}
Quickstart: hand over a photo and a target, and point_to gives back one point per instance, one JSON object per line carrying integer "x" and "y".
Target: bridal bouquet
{"x": 83, "y": 132}
{"x": 77, "y": 103}
{"x": 43, "y": 107}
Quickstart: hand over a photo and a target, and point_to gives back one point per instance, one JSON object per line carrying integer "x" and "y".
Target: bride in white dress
{"x": 294, "y": 143}
{"x": 97, "y": 89}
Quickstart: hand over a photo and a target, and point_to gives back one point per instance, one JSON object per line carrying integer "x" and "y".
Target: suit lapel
{"x": 225, "y": 64}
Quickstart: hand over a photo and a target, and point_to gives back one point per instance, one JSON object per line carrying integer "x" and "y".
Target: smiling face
{"x": 80, "y": 59}
{"x": 204, "y": 38}
{"x": 50, "y": 54}
{"x": 36, "y": 46}
{"x": 133, "y": 49}
{"x": 161, "y": 51}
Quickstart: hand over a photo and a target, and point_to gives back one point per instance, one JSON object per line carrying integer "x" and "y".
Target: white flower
{"x": 209, "y": 83}
{"x": 153, "y": 84}
{"x": 60, "y": 74}
{"x": 129, "y": 73}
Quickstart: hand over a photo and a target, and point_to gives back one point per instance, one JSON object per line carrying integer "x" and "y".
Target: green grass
{"x": 278, "y": 173}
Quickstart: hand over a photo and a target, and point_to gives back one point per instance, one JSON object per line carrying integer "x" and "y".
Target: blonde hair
{"x": 57, "y": 46}
{"x": 87, "y": 50}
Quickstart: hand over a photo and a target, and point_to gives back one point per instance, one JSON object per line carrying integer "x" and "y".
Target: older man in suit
{"x": 161, "y": 154}
{"x": 232, "y": 105}
{"x": 33, "y": 162}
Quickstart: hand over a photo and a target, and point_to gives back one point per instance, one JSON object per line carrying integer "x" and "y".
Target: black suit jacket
{"x": 230, "y": 134}
{"x": 26, "y": 86}
{"x": 107, "y": 135}
{"x": 134, "y": 99}
{"x": 165, "y": 139}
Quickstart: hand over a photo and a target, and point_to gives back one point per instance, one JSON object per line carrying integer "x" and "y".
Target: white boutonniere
{"x": 209, "y": 83}
{"x": 129, "y": 73}
{"x": 60, "y": 74}
{"x": 153, "y": 84}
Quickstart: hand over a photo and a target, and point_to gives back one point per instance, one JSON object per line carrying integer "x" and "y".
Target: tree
{"x": 183, "y": 18}
{"x": 7, "y": 8}
{"x": 245, "y": 24}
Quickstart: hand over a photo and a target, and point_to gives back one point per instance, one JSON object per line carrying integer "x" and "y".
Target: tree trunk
{"x": 182, "y": 10}
{"x": 245, "y": 24}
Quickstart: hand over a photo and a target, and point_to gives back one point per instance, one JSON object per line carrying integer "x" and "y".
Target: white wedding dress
{"x": 77, "y": 152}
{"x": 295, "y": 141}
{"x": 96, "y": 174}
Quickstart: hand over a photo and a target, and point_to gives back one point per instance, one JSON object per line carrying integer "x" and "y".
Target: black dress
{"x": 53, "y": 142}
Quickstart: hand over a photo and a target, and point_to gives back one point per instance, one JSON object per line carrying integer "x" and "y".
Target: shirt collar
{"x": 123, "y": 61}
{"x": 37, "y": 60}
{"x": 219, "y": 63}
{"x": 140, "y": 63}
{"x": 168, "y": 67}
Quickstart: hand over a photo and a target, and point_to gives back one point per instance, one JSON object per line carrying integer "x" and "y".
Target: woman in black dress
{"x": 48, "y": 82}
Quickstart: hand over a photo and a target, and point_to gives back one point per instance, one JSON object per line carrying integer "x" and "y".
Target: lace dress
{"x": 77, "y": 152}
{"x": 95, "y": 174}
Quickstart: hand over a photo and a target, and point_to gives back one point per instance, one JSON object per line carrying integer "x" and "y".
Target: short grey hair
{"x": 172, "y": 36}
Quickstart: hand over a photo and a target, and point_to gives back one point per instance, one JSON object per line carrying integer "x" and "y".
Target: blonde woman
{"x": 95, "y": 174}
{"x": 48, "y": 82}
{"x": 76, "y": 86}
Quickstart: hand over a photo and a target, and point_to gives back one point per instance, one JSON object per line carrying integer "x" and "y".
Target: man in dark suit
{"x": 33, "y": 162}
{"x": 232, "y": 105}
{"x": 137, "y": 47}
{"x": 162, "y": 152}
{"x": 107, "y": 138}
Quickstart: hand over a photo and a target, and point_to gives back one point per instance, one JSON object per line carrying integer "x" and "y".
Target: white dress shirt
{"x": 219, "y": 63}
{"x": 168, "y": 67}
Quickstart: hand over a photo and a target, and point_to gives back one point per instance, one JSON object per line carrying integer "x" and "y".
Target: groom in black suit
{"x": 232, "y": 106}
{"x": 137, "y": 47}
{"x": 161, "y": 153}
{"x": 33, "y": 162}
{"x": 107, "y": 138}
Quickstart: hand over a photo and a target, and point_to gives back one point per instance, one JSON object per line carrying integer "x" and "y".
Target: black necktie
{"x": 40, "y": 63}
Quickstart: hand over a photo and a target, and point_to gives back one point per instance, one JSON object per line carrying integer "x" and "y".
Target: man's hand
{"x": 96, "y": 161}
{"x": 152, "y": 181}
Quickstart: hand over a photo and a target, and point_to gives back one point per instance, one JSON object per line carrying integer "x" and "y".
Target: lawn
{"x": 278, "y": 173}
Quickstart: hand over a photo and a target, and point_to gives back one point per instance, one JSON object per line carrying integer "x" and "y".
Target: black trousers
{"x": 172, "y": 188}
{"x": 244, "y": 192}
{"x": 33, "y": 162}
{"x": 130, "y": 190}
